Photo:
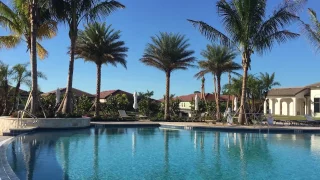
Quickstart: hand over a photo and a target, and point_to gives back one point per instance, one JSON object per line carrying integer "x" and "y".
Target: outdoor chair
{"x": 123, "y": 115}
{"x": 270, "y": 120}
{"x": 311, "y": 121}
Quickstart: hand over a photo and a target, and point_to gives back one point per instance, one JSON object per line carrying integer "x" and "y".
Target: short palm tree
{"x": 5, "y": 75}
{"x": 21, "y": 75}
{"x": 100, "y": 44}
{"x": 250, "y": 30}
{"x": 73, "y": 12}
{"x": 219, "y": 60}
{"x": 168, "y": 52}
{"x": 268, "y": 81}
{"x": 313, "y": 31}
{"x": 25, "y": 27}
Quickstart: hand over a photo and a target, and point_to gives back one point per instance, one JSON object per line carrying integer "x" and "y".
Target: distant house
{"x": 104, "y": 95}
{"x": 23, "y": 94}
{"x": 76, "y": 93}
{"x": 185, "y": 100}
{"x": 294, "y": 101}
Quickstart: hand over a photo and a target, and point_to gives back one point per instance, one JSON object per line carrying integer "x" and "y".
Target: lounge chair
{"x": 270, "y": 120}
{"x": 310, "y": 120}
{"x": 123, "y": 115}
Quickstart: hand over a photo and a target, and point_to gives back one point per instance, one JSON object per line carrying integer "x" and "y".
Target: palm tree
{"x": 268, "y": 81}
{"x": 28, "y": 22}
{"x": 21, "y": 75}
{"x": 219, "y": 61}
{"x": 100, "y": 44}
{"x": 250, "y": 30}
{"x": 72, "y": 12}
{"x": 313, "y": 31}
{"x": 168, "y": 52}
{"x": 5, "y": 74}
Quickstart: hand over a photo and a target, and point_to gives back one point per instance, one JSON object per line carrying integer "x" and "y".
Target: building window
{"x": 316, "y": 105}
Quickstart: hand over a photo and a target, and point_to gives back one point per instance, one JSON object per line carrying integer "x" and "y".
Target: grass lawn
{"x": 277, "y": 117}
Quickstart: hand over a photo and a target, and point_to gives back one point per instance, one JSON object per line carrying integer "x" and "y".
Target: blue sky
{"x": 295, "y": 62}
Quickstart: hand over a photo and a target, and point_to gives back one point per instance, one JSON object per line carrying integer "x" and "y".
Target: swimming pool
{"x": 159, "y": 153}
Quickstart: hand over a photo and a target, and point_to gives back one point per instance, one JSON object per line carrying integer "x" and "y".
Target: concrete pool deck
{"x": 210, "y": 126}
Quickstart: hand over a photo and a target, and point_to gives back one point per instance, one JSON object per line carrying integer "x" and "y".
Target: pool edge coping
{"x": 6, "y": 172}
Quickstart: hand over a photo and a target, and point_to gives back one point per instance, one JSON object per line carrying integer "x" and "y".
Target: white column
{"x": 271, "y": 110}
{"x": 265, "y": 106}
{"x": 278, "y": 107}
{"x": 294, "y": 108}
{"x": 305, "y": 106}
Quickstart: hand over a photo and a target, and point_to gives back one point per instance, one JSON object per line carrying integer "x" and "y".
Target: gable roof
{"x": 314, "y": 85}
{"x": 106, "y": 94}
{"x": 21, "y": 91}
{"x": 75, "y": 91}
{"x": 286, "y": 91}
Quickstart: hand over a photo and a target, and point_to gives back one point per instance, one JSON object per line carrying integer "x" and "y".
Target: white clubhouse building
{"x": 294, "y": 101}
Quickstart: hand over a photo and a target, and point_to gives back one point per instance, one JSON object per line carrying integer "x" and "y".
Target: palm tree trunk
{"x": 16, "y": 92}
{"x": 6, "y": 96}
{"x": 33, "y": 59}
{"x": 97, "y": 103}
{"x": 245, "y": 65}
{"x": 229, "y": 81}
{"x": 167, "y": 103}
{"x": 218, "y": 95}
{"x": 215, "y": 90}
{"x": 68, "y": 106}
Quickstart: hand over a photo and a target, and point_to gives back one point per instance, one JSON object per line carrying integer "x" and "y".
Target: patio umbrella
{"x": 58, "y": 96}
{"x": 235, "y": 104}
{"x": 135, "y": 100}
{"x": 196, "y": 103}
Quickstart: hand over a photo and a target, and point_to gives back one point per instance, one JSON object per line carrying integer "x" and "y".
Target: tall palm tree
{"x": 21, "y": 75}
{"x": 73, "y": 12}
{"x": 27, "y": 22}
{"x": 313, "y": 31}
{"x": 250, "y": 30}
{"x": 168, "y": 52}
{"x": 100, "y": 44}
{"x": 219, "y": 60}
{"x": 5, "y": 74}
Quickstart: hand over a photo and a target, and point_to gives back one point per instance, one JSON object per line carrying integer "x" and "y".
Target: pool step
{"x": 18, "y": 131}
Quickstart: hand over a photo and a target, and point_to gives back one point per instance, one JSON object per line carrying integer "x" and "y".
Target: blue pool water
{"x": 155, "y": 153}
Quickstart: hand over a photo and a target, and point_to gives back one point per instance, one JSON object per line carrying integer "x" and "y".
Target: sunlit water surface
{"x": 155, "y": 153}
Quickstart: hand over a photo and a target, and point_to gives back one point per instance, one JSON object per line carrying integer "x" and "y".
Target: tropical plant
{"x": 84, "y": 103}
{"x": 312, "y": 31}
{"x": 250, "y": 30}
{"x": 219, "y": 60}
{"x": 101, "y": 45}
{"x": 5, "y": 74}
{"x": 115, "y": 103}
{"x": 168, "y": 52}
{"x": 73, "y": 12}
{"x": 22, "y": 76}
{"x": 27, "y": 22}
{"x": 147, "y": 106}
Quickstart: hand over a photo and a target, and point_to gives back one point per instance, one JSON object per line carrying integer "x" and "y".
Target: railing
{"x": 19, "y": 121}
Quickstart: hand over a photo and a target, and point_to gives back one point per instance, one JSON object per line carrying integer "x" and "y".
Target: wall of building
{"x": 314, "y": 93}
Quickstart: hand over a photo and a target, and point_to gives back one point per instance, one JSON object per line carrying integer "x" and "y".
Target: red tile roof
{"x": 208, "y": 96}
{"x": 75, "y": 91}
{"x": 106, "y": 94}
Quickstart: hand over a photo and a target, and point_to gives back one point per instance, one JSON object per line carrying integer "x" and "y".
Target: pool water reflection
{"x": 155, "y": 153}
